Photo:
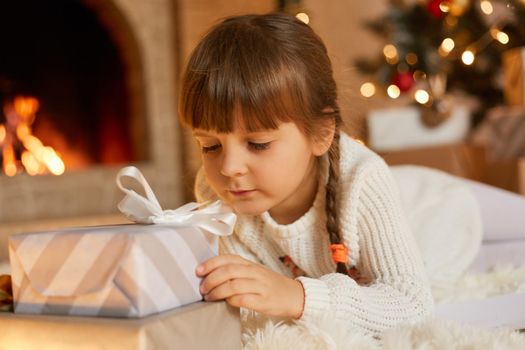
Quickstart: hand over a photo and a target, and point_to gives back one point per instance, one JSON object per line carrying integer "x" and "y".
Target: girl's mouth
{"x": 241, "y": 193}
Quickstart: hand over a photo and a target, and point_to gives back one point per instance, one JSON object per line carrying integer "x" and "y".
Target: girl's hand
{"x": 243, "y": 283}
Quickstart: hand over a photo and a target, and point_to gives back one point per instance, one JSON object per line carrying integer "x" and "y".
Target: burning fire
{"x": 16, "y": 134}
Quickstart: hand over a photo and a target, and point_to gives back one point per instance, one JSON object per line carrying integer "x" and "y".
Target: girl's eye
{"x": 259, "y": 146}
{"x": 208, "y": 149}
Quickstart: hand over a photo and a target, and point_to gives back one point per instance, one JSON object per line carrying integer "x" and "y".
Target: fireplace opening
{"x": 69, "y": 79}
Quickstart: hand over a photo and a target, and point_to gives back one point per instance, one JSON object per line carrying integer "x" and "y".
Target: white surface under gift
{"x": 194, "y": 326}
{"x": 401, "y": 127}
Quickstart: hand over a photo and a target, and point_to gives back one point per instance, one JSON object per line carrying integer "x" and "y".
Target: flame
{"x": 22, "y": 131}
{"x": 36, "y": 157}
{"x": 31, "y": 164}
{"x": 2, "y": 133}
{"x": 8, "y": 154}
{"x": 53, "y": 161}
{"x": 26, "y": 107}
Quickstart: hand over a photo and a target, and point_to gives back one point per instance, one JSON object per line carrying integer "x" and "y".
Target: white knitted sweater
{"x": 394, "y": 289}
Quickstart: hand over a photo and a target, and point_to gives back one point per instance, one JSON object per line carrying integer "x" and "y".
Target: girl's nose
{"x": 233, "y": 163}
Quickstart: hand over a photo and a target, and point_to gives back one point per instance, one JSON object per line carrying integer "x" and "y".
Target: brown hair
{"x": 274, "y": 69}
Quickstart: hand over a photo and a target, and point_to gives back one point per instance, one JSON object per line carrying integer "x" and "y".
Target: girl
{"x": 320, "y": 227}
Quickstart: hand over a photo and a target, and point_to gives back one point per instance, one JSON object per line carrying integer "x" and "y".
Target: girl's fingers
{"x": 225, "y": 273}
{"x": 250, "y": 301}
{"x": 211, "y": 264}
{"x": 231, "y": 288}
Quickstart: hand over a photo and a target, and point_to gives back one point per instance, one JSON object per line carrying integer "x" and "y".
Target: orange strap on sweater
{"x": 339, "y": 253}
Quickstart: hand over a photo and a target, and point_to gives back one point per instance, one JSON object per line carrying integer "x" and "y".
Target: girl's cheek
{"x": 210, "y": 168}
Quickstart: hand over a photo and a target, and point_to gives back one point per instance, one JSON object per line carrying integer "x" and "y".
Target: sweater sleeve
{"x": 397, "y": 289}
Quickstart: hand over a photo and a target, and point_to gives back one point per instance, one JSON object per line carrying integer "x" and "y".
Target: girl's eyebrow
{"x": 202, "y": 134}
{"x": 263, "y": 132}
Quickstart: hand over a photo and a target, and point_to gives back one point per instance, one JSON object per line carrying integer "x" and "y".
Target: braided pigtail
{"x": 339, "y": 251}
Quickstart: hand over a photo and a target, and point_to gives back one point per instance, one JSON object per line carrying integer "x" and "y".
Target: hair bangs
{"x": 247, "y": 85}
{"x": 269, "y": 97}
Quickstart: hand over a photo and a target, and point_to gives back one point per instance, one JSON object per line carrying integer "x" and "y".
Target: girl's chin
{"x": 243, "y": 209}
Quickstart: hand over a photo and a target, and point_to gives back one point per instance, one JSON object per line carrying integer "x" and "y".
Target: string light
{"x": 390, "y": 53}
{"x": 422, "y": 96}
{"x": 411, "y": 58}
{"x": 446, "y": 46}
{"x": 419, "y": 75}
{"x": 451, "y": 21}
{"x": 468, "y": 57}
{"x": 444, "y": 6}
{"x": 503, "y": 38}
{"x": 303, "y": 17}
{"x": 393, "y": 91}
{"x": 486, "y": 7}
{"x": 368, "y": 89}
{"x": 500, "y": 36}
{"x": 454, "y": 9}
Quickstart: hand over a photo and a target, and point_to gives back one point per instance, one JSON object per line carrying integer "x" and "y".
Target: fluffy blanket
{"x": 260, "y": 333}
{"x": 326, "y": 334}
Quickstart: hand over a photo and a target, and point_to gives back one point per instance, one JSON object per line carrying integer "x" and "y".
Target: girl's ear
{"x": 324, "y": 135}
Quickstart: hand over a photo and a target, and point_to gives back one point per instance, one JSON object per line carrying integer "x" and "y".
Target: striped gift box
{"x": 116, "y": 271}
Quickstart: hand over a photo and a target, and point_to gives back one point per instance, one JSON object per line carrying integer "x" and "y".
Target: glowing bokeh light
{"x": 368, "y": 89}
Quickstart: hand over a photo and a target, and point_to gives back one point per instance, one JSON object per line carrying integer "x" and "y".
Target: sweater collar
{"x": 308, "y": 219}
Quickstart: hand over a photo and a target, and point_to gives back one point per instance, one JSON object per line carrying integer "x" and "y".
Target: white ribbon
{"x": 215, "y": 218}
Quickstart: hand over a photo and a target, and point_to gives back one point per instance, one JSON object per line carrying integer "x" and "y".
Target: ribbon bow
{"x": 215, "y": 218}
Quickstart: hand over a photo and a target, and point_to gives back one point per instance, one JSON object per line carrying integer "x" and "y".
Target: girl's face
{"x": 269, "y": 170}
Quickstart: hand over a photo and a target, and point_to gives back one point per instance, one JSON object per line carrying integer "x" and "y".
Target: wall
{"x": 340, "y": 25}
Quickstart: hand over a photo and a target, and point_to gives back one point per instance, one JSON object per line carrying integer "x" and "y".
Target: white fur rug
{"x": 329, "y": 335}
{"x": 260, "y": 333}
{"x": 501, "y": 279}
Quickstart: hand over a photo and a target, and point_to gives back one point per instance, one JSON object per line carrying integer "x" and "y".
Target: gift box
{"x": 402, "y": 128}
{"x": 460, "y": 159}
{"x": 514, "y": 76}
{"x": 122, "y": 270}
{"x": 507, "y": 174}
{"x": 501, "y": 133}
{"x": 194, "y": 326}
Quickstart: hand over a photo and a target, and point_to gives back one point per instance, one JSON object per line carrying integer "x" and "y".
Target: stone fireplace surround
{"x": 146, "y": 26}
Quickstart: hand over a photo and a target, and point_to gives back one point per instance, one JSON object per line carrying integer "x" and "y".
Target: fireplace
{"x": 92, "y": 83}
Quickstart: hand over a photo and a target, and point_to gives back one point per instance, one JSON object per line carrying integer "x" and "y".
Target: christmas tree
{"x": 435, "y": 47}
